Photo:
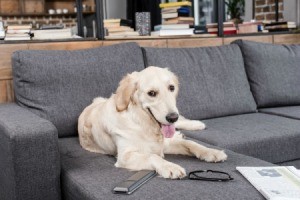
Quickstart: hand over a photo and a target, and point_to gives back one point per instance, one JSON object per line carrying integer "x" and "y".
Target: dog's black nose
{"x": 172, "y": 117}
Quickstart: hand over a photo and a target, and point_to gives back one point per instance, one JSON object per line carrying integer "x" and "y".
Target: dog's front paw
{"x": 197, "y": 125}
{"x": 214, "y": 155}
{"x": 171, "y": 171}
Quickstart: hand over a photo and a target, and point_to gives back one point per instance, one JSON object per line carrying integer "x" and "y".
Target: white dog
{"x": 137, "y": 124}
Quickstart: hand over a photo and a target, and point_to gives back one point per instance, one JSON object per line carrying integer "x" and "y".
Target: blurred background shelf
{"x": 44, "y": 14}
{"x": 21, "y": 7}
{"x": 90, "y": 16}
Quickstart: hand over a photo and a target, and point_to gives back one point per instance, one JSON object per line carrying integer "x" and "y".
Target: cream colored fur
{"x": 123, "y": 126}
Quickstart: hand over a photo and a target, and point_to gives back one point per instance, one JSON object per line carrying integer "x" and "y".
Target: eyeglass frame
{"x": 199, "y": 178}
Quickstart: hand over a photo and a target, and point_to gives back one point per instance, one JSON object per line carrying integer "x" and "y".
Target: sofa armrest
{"x": 29, "y": 155}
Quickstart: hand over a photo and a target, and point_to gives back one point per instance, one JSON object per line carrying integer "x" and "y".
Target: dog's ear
{"x": 124, "y": 93}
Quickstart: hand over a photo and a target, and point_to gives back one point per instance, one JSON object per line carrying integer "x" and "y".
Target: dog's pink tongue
{"x": 168, "y": 130}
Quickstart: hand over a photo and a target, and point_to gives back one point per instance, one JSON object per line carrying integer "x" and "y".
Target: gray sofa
{"x": 247, "y": 93}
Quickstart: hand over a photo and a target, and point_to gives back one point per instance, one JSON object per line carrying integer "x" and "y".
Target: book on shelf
{"x": 52, "y": 34}
{"x": 180, "y": 20}
{"x": 215, "y": 25}
{"x": 170, "y": 9}
{"x": 283, "y": 26}
{"x": 18, "y": 32}
{"x": 229, "y": 28}
{"x": 176, "y": 32}
{"x": 171, "y": 27}
{"x": 17, "y": 38}
{"x": 169, "y": 15}
{"x": 120, "y": 36}
{"x": 13, "y": 31}
{"x": 117, "y": 22}
{"x": 276, "y": 182}
{"x": 176, "y": 19}
{"x": 267, "y": 23}
{"x": 278, "y": 30}
{"x": 247, "y": 28}
{"x": 19, "y": 27}
{"x": 124, "y": 33}
{"x": 279, "y": 26}
{"x": 111, "y": 25}
{"x": 224, "y": 29}
{"x": 118, "y": 27}
{"x": 174, "y": 4}
{"x": 225, "y": 32}
{"x": 111, "y": 20}
{"x": 2, "y": 31}
{"x": 177, "y": 13}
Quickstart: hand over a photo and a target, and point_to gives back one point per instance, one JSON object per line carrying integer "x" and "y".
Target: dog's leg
{"x": 179, "y": 145}
{"x": 190, "y": 125}
{"x": 138, "y": 161}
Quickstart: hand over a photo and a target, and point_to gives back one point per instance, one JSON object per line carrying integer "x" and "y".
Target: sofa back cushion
{"x": 58, "y": 85}
{"x": 213, "y": 82}
{"x": 273, "y": 72}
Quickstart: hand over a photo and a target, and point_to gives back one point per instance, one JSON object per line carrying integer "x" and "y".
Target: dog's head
{"x": 155, "y": 90}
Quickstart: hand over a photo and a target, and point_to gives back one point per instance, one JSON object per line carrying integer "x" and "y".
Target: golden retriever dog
{"x": 138, "y": 125}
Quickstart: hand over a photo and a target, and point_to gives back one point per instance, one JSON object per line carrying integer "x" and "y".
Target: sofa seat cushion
{"x": 295, "y": 163}
{"x": 268, "y": 137}
{"x": 273, "y": 72}
{"x": 288, "y": 111}
{"x": 213, "y": 81}
{"x": 92, "y": 176}
{"x": 58, "y": 85}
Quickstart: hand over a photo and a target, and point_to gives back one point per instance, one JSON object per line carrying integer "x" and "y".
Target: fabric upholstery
{"x": 58, "y": 85}
{"x": 92, "y": 176}
{"x": 29, "y": 156}
{"x": 273, "y": 72}
{"x": 213, "y": 81}
{"x": 295, "y": 163}
{"x": 267, "y": 137}
{"x": 288, "y": 111}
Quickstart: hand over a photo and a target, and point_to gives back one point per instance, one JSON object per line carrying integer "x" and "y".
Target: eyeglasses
{"x": 209, "y": 175}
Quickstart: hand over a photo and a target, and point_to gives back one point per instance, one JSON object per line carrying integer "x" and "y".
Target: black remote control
{"x": 134, "y": 182}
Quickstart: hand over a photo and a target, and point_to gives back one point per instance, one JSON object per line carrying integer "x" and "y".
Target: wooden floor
{"x": 6, "y": 50}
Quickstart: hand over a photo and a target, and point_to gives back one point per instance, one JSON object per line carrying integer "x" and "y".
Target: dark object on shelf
{"x": 126, "y": 22}
{"x": 99, "y": 19}
{"x": 79, "y": 17}
{"x": 143, "y": 23}
{"x": 221, "y": 9}
{"x": 200, "y": 30}
{"x": 151, "y": 6}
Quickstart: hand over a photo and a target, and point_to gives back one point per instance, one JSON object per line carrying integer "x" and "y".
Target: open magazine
{"x": 274, "y": 183}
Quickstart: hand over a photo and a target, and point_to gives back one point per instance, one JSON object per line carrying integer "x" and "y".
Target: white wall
{"x": 248, "y": 10}
{"x": 291, "y": 10}
{"x": 114, "y": 9}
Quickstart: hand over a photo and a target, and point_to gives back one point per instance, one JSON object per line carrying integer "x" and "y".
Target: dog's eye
{"x": 152, "y": 93}
{"x": 171, "y": 88}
